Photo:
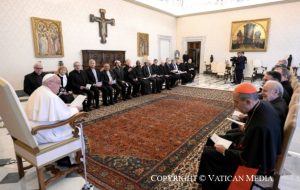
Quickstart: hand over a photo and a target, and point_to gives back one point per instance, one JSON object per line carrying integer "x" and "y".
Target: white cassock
{"x": 43, "y": 108}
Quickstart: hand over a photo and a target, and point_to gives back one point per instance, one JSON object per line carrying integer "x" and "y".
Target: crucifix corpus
{"x": 102, "y": 24}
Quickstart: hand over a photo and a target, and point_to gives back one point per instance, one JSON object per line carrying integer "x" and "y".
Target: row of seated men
{"x": 257, "y": 143}
{"x": 128, "y": 81}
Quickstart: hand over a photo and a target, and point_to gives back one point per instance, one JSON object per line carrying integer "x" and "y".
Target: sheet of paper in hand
{"x": 219, "y": 140}
{"x": 99, "y": 84}
{"x": 88, "y": 86}
{"x": 235, "y": 121}
{"x": 78, "y": 101}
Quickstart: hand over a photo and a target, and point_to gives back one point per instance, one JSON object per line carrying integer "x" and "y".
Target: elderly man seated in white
{"x": 45, "y": 107}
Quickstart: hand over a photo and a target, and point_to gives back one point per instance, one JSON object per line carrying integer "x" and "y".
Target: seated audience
{"x": 259, "y": 147}
{"x": 94, "y": 76}
{"x": 276, "y": 76}
{"x": 148, "y": 74}
{"x": 80, "y": 85}
{"x": 165, "y": 73}
{"x": 34, "y": 80}
{"x": 145, "y": 83}
{"x": 130, "y": 77}
{"x": 44, "y": 107}
{"x": 182, "y": 67}
{"x": 125, "y": 86}
{"x": 110, "y": 82}
{"x": 158, "y": 75}
{"x": 65, "y": 92}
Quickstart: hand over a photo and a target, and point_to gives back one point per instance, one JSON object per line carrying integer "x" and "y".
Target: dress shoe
{"x": 112, "y": 103}
{"x": 97, "y": 106}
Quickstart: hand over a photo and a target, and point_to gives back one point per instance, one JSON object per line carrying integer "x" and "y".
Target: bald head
{"x": 272, "y": 90}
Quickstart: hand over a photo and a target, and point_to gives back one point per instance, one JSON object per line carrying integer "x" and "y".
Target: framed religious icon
{"x": 142, "y": 44}
{"x": 249, "y": 35}
{"x": 47, "y": 37}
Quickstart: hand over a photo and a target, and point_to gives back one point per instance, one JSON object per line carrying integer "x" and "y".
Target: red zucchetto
{"x": 245, "y": 88}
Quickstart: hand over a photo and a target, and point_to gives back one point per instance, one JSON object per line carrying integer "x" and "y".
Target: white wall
{"x": 215, "y": 28}
{"x": 16, "y": 45}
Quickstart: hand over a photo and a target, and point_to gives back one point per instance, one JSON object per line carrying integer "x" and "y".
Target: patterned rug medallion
{"x": 126, "y": 148}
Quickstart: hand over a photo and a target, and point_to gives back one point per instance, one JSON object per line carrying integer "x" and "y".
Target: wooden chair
{"x": 294, "y": 99}
{"x": 25, "y": 145}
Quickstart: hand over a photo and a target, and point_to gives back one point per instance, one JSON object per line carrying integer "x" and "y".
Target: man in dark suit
{"x": 165, "y": 73}
{"x": 145, "y": 83}
{"x": 125, "y": 86}
{"x": 148, "y": 73}
{"x": 34, "y": 80}
{"x": 158, "y": 75}
{"x": 110, "y": 82}
{"x": 240, "y": 62}
{"x": 169, "y": 67}
{"x": 80, "y": 85}
{"x": 94, "y": 76}
{"x": 130, "y": 77}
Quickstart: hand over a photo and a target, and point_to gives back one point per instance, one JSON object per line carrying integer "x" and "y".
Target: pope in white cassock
{"x": 45, "y": 107}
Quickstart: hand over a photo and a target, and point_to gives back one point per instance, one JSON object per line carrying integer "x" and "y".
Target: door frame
{"x": 168, "y": 38}
{"x": 202, "y": 39}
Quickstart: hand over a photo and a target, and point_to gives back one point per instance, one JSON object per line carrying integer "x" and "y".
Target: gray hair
{"x": 276, "y": 86}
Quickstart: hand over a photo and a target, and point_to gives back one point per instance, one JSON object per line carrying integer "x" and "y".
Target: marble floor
{"x": 9, "y": 179}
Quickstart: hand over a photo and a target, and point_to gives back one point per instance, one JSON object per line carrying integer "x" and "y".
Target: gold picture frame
{"x": 47, "y": 37}
{"x": 250, "y": 35}
{"x": 142, "y": 44}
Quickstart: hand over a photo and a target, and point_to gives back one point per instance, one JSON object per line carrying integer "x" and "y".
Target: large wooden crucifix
{"x": 102, "y": 24}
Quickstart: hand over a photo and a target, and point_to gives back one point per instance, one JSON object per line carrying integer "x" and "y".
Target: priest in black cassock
{"x": 34, "y": 80}
{"x": 259, "y": 148}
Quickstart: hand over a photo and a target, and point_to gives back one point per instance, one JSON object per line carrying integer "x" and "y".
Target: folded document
{"x": 219, "y": 140}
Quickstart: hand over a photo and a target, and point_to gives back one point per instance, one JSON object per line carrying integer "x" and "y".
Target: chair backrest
{"x": 290, "y": 124}
{"x": 13, "y": 115}
{"x": 294, "y": 99}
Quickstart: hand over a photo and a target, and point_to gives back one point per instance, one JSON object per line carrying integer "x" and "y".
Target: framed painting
{"x": 47, "y": 37}
{"x": 249, "y": 35}
{"x": 142, "y": 44}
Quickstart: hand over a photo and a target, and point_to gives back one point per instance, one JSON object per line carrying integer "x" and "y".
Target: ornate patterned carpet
{"x": 139, "y": 143}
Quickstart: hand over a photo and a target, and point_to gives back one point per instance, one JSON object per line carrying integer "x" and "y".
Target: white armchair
{"x": 25, "y": 145}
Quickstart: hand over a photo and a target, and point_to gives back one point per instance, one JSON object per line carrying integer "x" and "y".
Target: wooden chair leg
{"x": 41, "y": 178}
{"x": 20, "y": 166}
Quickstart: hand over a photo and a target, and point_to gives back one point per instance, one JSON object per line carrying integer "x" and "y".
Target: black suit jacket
{"x": 146, "y": 71}
{"x": 129, "y": 76}
{"x": 281, "y": 108}
{"x": 32, "y": 81}
{"x": 105, "y": 78}
{"x": 68, "y": 87}
{"x": 78, "y": 79}
{"x": 156, "y": 70}
{"x": 119, "y": 72}
{"x": 287, "y": 86}
{"x": 91, "y": 76}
